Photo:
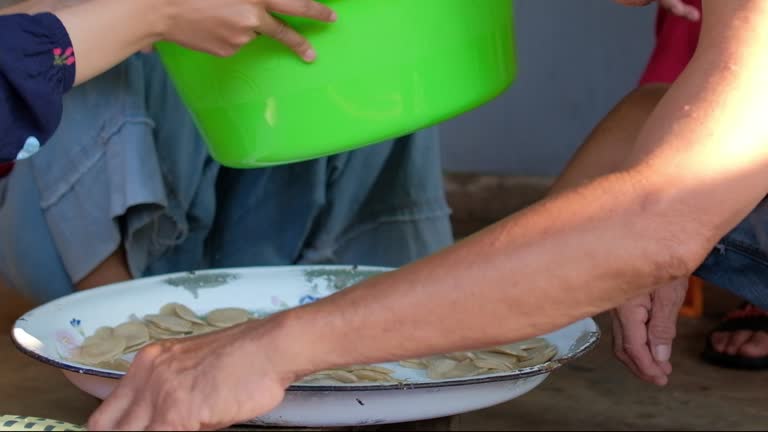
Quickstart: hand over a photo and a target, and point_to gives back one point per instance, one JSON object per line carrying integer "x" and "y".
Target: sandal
{"x": 747, "y": 317}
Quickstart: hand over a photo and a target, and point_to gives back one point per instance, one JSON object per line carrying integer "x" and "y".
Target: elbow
{"x": 678, "y": 238}
{"x": 686, "y": 258}
{"x": 670, "y": 262}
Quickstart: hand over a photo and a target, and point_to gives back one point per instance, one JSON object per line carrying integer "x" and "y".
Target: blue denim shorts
{"x": 128, "y": 167}
{"x": 739, "y": 262}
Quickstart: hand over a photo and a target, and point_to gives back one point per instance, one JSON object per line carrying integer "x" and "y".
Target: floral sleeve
{"x": 37, "y": 66}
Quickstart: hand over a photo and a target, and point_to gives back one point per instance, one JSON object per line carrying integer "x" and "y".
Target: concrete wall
{"x": 576, "y": 59}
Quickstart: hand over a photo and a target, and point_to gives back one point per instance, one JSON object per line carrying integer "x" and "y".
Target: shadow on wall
{"x": 576, "y": 60}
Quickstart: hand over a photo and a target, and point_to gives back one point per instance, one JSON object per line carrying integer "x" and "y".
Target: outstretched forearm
{"x": 126, "y": 26}
{"x": 698, "y": 167}
{"x": 549, "y": 265}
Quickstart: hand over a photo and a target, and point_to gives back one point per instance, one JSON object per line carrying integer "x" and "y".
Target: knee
{"x": 29, "y": 263}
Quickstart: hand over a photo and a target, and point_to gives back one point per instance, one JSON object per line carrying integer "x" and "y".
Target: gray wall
{"x": 576, "y": 59}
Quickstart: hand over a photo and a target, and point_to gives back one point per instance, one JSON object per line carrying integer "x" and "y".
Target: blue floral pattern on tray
{"x": 307, "y": 299}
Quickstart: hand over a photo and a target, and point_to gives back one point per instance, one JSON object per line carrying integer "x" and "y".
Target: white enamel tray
{"x": 50, "y": 332}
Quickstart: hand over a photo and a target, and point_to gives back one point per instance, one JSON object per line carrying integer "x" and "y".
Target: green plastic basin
{"x": 385, "y": 69}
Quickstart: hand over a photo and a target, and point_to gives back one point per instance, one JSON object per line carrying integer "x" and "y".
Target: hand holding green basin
{"x": 385, "y": 69}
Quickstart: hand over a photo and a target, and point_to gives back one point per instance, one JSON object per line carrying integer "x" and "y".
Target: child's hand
{"x": 681, "y": 8}
{"x": 677, "y": 7}
{"x": 221, "y": 27}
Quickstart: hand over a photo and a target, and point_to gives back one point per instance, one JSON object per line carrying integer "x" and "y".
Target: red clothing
{"x": 5, "y": 168}
{"x": 676, "y": 39}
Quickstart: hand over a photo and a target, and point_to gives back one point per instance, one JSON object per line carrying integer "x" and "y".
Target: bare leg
{"x": 113, "y": 269}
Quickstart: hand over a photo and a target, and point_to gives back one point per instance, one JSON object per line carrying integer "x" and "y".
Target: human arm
{"x": 38, "y": 63}
{"x": 595, "y": 246}
{"x": 219, "y": 28}
{"x": 644, "y": 327}
{"x": 609, "y": 144}
{"x": 573, "y": 255}
{"x": 682, "y": 8}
